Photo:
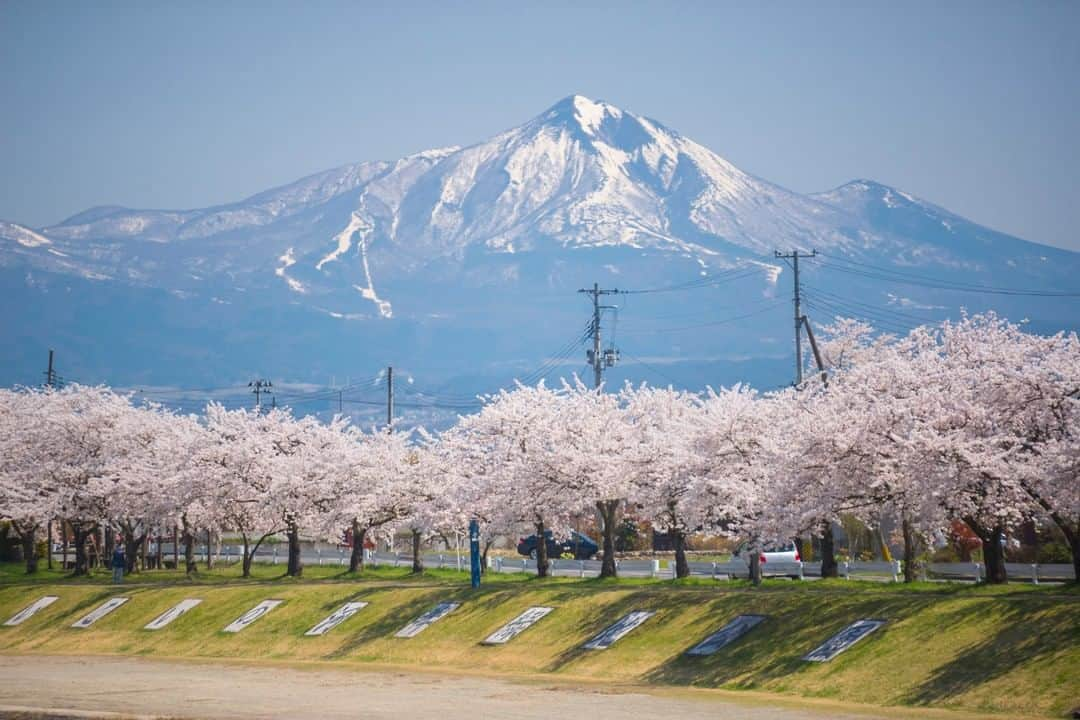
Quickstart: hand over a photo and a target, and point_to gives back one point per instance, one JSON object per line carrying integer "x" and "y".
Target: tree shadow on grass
{"x": 401, "y": 615}
{"x": 775, "y": 648}
{"x": 1027, "y": 634}
{"x": 600, "y": 617}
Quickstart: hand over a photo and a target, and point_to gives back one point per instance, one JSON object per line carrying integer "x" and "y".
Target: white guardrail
{"x": 736, "y": 568}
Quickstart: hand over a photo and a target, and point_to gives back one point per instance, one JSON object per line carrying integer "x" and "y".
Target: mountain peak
{"x": 583, "y": 113}
{"x": 857, "y": 195}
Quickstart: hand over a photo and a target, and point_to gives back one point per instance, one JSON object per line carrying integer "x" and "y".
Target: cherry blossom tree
{"x": 26, "y": 494}
{"x": 662, "y": 462}
{"x": 511, "y": 462}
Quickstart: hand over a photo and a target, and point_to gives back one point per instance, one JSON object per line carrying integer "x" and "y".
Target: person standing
{"x": 119, "y": 561}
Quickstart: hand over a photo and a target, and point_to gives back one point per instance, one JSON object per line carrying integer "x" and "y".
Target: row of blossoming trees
{"x": 974, "y": 421}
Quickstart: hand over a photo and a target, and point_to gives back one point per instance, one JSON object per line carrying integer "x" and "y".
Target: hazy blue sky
{"x": 975, "y": 106}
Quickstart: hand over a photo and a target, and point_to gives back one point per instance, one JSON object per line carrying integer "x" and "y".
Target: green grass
{"x": 1011, "y": 650}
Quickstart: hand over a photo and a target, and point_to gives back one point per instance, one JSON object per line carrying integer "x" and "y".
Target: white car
{"x": 777, "y": 553}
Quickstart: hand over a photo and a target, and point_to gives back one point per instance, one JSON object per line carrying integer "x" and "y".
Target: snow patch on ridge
{"x": 362, "y": 229}
{"x": 289, "y": 260}
{"x": 23, "y": 235}
{"x": 344, "y": 238}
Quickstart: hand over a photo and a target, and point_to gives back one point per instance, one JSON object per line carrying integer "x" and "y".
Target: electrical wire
{"x": 712, "y": 280}
{"x": 874, "y": 272}
{"x": 646, "y": 365}
{"x": 714, "y": 323}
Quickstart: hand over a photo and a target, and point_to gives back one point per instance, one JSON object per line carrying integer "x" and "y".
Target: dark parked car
{"x": 578, "y": 545}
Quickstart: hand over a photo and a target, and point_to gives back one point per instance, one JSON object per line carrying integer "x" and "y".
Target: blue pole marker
{"x": 474, "y": 551}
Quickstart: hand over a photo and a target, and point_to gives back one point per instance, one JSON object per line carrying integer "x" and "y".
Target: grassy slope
{"x": 1008, "y": 650}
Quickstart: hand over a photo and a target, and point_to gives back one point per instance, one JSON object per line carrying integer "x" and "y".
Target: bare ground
{"x": 53, "y": 687}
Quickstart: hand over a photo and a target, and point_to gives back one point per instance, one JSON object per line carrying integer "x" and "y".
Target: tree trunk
{"x": 417, "y": 559}
{"x": 49, "y": 544}
{"x": 189, "y": 546}
{"x": 159, "y": 553}
{"x": 484, "y": 556}
{"x": 209, "y": 552}
{"x": 64, "y": 535}
{"x": 541, "y": 550}
{"x": 296, "y": 567}
{"x": 356, "y": 559}
{"x": 829, "y": 568}
{"x": 608, "y": 510}
{"x": 131, "y": 552}
{"x": 993, "y": 553}
{"x": 682, "y": 567}
{"x": 110, "y": 543}
{"x": 246, "y": 563}
{"x": 911, "y": 557}
{"x": 175, "y": 548}
{"x": 755, "y": 565}
{"x": 29, "y": 548}
{"x": 994, "y": 557}
{"x": 82, "y": 531}
{"x": 1073, "y": 537}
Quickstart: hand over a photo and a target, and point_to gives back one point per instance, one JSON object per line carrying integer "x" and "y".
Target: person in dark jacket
{"x": 119, "y": 562}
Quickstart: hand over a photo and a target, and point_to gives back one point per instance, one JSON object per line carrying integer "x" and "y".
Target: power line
{"x": 657, "y": 371}
{"x": 871, "y": 308}
{"x": 709, "y": 281}
{"x": 828, "y": 308}
{"x": 714, "y": 323}
{"x": 874, "y": 272}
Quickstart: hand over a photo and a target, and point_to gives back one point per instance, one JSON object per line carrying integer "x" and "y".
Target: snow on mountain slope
{"x": 588, "y": 174}
{"x": 466, "y": 261}
{"x": 582, "y": 186}
{"x": 22, "y": 235}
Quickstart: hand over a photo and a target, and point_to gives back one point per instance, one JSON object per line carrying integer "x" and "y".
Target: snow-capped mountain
{"x": 475, "y": 243}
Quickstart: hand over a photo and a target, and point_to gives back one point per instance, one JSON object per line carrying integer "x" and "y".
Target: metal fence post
{"x": 1035, "y": 573}
{"x": 582, "y": 568}
{"x": 318, "y": 553}
{"x": 845, "y": 570}
{"x": 275, "y": 555}
{"x": 896, "y": 571}
{"x": 978, "y": 572}
{"x": 801, "y": 571}
{"x": 714, "y": 571}
{"x": 655, "y": 569}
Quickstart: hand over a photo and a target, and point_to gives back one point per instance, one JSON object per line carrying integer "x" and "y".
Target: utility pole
{"x": 50, "y": 374}
{"x": 794, "y": 256}
{"x": 390, "y": 398}
{"x": 258, "y": 389}
{"x": 599, "y": 360}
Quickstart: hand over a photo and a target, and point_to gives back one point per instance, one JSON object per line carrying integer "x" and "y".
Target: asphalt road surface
{"x": 142, "y": 687}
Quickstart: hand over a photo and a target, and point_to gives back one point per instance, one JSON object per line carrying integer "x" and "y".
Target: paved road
{"x": 142, "y": 687}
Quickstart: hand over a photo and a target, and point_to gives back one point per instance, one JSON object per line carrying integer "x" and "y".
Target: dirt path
{"x": 155, "y": 688}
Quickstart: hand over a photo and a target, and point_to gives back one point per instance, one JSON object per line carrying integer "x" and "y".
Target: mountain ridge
{"x": 460, "y": 242}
